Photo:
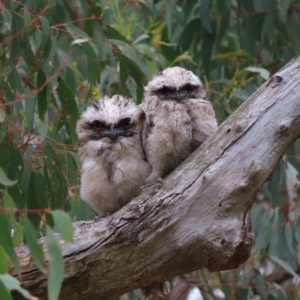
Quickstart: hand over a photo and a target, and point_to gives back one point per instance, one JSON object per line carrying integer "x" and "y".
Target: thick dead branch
{"x": 199, "y": 217}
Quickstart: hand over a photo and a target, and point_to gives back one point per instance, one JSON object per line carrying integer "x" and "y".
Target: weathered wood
{"x": 199, "y": 217}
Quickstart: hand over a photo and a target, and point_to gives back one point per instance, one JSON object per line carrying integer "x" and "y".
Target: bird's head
{"x": 109, "y": 121}
{"x": 176, "y": 84}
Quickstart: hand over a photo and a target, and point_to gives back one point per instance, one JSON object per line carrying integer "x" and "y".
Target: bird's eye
{"x": 189, "y": 87}
{"x": 165, "y": 90}
{"x": 97, "y": 125}
{"x": 126, "y": 123}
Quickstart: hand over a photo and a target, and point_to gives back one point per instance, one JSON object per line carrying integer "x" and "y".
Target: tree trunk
{"x": 198, "y": 218}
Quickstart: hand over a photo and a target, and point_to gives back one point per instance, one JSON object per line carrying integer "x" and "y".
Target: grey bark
{"x": 198, "y": 218}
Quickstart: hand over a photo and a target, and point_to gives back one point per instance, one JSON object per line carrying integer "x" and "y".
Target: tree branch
{"x": 198, "y": 218}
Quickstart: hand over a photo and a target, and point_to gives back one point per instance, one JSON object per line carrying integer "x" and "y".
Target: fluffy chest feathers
{"x": 120, "y": 160}
{"x": 113, "y": 160}
{"x": 114, "y": 176}
{"x": 178, "y": 119}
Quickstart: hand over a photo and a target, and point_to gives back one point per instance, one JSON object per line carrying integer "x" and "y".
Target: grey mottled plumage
{"x": 179, "y": 120}
{"x": 110, "y": 148}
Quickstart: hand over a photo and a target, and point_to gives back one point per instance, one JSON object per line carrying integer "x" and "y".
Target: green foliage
{"x": 64, "y": 224}
{"x": 35, "y": 248}
{"x": 8, "y": 283}
{"x": 56, "y": 265}
{"x": 6, "y": 241}
{"x": 4, "y": 180}
{"x": 55, "y": 58}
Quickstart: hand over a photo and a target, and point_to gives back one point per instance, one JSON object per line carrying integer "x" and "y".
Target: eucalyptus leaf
{"x": 6, "y": 241}
{"x": 260, "y": 283}
{"x": 5, "y": 294}
{"x": 289, "y": 234}
{"x": 114, "y": 34}
{"x": 265, "y": 74}
{"x": 284, "y": 265}
{"x": 29, "y": 110}
{"x": 78, "y": 33}
{"x": 140, "y": 38}
{"x": 205, "y": 14}
{"x": 42, "y": 95}
{"x": 12, "y": 283}
{"x": 9, "y": 204}
{"x": 63, "y": 221}
{"x": 79, "y": 41}
{"x": 7, "y": 22}
{"x": 56, "y": 265}
{"x": 18, "y": 235}
{"x": 4, "y": 180}
{"x": 69, "y": 112}
{"x": 36, "y": 196}
{"x": 36, "y": 250}
{"x": 3, "y": 262}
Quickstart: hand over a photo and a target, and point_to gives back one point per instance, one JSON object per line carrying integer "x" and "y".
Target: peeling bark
{"x": 198, "y": 218}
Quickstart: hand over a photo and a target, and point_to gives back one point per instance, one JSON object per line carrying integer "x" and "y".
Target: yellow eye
{"x": 97, "y": 125}
{"x": 126, "y": 123}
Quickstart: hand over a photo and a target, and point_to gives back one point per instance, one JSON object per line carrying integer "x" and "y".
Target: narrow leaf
{"x": 79, "y": 41}
{"x": 2, "y": 115}
{"x": 205, "y": 14}
{"x": 5, "y": 294}
{"x": 27, "y": 20}
{"x": 69, "y": 112}
{"x": 3, "y": 261}
{"x": 63, "y": 222}
{"x": 9, "y": 203}
{"x": 78, "y": 33}
{"x": 297, "y": 232}
{"x": 56, "y": 191}
{"x": 284, "y": 265}
{"x": 6, "y": 22}
{"x": 45, "y": 35}
{"x": 289, "y": 235}
{"x": 189, "y": 34}
{"x": 42, "y": 95}
{"x": 56, "y": 265}
{"x": 13, "y": 284}
{"x": 207, "y": 47}
{"x": 140, "y": 38}
{"x": 36, "y": 198}
{"x": 125, "y": 49}
{"x": 265, "y": 74}
{"x": 114, "y": 34}
{"x": 6, "y": 241}
{"x": 4, "y": 180}
{"x": 29, "y": 110}
{"x": 18, "y": 235}
{"x": 36, "y": 250}
{"x": 260, "y": 283}
{"x": 238, "y": 53}
{"x": 70, "y": 79}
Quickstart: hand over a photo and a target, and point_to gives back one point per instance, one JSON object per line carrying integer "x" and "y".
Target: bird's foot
{"x": 98, "y": 218}
{"x": 161, "y": 289}
{"x": 155, "y": 184}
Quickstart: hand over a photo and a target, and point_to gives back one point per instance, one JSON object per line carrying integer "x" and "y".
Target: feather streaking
{"x": 179, "y": 120}
{"x": 114, "y": 165}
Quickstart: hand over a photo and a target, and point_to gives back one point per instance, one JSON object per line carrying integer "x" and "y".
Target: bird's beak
{"x": 180, "y": 95}
{"x": 113, "y": 133}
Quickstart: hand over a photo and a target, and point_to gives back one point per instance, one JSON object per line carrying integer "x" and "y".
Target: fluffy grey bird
{"x": 114, "y": 165}
{"x": 179, "y": 120}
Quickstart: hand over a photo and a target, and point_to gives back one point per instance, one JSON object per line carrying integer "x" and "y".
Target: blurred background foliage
{"x": 57, "y": 55}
